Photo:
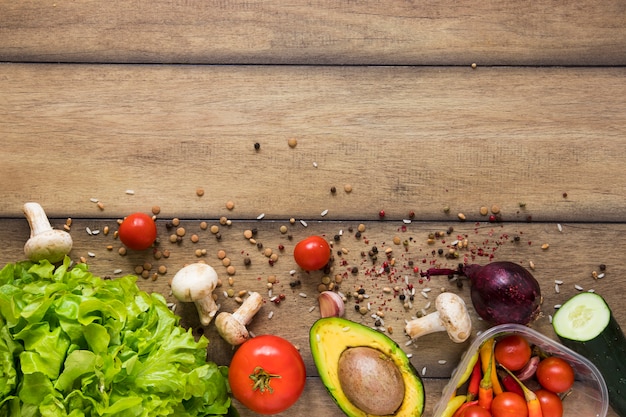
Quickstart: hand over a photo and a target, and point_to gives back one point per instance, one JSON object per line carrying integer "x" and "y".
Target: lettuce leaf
{"x": 75, "y": 345}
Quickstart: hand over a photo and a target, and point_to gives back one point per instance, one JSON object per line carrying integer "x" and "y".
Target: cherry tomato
{"x": 267, "y": 374}
{"x": 551, "y": 405}
{"x": 312, "y": 253}
{"x": 555, "y": 374}
{"x": 138, "y": 231}
{"x": 475, "y": 411}
{"x": 509, "y": 404}
{"x": 512, "y": 352}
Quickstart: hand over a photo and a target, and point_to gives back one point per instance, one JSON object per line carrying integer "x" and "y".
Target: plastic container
{"x": 589, "y": 396}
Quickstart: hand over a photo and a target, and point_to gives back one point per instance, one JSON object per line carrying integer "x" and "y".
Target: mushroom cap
{"x": 232, "y": 330}
{"x": 52, "y": 245}
{"x": 194, "y": 282}
{"x": 454, "y": 316}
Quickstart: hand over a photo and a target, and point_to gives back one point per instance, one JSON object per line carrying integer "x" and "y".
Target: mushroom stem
{"x": 207, "y": 309}
{"x": 37, "y": 219}
{"x": 430, "y": 323}
{"x": 451, "y": 316}
{"x": 45, "y": 242}
{"x": 232, "y": 327}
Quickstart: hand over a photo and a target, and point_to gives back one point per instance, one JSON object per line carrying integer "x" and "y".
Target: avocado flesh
{"x": 330, "y": 336}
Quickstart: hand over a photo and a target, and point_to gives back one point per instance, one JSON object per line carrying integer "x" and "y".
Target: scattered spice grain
{"x": 292, "y": 142}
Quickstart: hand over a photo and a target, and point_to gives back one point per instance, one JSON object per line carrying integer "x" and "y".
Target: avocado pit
{"x": 371, "y": 380}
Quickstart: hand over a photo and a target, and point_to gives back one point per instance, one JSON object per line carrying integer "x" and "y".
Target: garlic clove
{"x": 331, "y": 304}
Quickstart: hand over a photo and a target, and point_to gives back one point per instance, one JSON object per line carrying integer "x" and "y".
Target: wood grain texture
{"x": 406, "y": 139}
{"x": 394, "y": 32}
{"x": 293, "y": 317}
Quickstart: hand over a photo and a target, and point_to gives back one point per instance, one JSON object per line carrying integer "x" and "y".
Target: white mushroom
{"x": 195, "y": 283}
{"x": 451, "y": 316}
{"x": 45, "y": 242}
{"x": 232, "y": 327}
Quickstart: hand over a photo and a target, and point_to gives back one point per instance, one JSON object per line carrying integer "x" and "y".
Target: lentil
{"x": 195, "y": 238}
{"x": 231, "y": 270}
{"x": 484, "y": 211}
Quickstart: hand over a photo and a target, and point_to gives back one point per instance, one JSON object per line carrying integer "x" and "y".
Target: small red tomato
{"x": 138, "y": 231}
{"x": 475, "y": 411}
{"x": 509, "y": 404}
{"x": 267, "y": 374}
{"x": 512, "y": 352}
{"x": 312, "y": 253}
{"x": 555, "y": 374}
{"x": 551, "y": 405}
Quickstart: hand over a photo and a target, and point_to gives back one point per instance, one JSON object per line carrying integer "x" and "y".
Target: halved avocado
{"x": 330, "y": 337}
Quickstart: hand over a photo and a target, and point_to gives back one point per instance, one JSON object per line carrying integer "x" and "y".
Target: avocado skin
{"x": 330, "y": 336}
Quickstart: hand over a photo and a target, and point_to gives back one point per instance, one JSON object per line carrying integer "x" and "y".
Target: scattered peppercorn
{"x": 257, "y": 146}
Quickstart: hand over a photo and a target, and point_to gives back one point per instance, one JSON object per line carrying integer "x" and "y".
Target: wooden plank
{"x": 292, "y": 318}
{"x": 405, "y": 138}
{"x": 393, "y": 32}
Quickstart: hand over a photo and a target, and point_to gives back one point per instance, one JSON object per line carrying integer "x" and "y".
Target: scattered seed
{"x": 557, "y": 289}
{"x": 601, "y": 275}
{"x": 303, "y": 295}
{"x": 578, "y": 287}
{"x": 270, "y": 315}
{"x": 324, "y": 213}
{"x": 91, "y": 254}
{"x": 558, "y": 226}
{"x": 347, "y": 188}
{"x": 94, "y": 200}
{"x": 545, "y": 246}
{"x": 461, "y": 216}
{"x": 303, "y": 223}
{"x": 423, "y": 371}
{"x": 406, "y": 221}
{"x": 88, "y": 230}
{"x": 442, "y": 361}
{"x": 557, "y": 306}
{"x": 314, "y": 164}
{"x": 292, "y": 142}
{"x": 199, "y": 192}
{"x": 260, "y": 216}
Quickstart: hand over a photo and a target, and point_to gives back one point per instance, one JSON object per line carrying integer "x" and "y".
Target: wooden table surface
{"x": 424, "y": 110}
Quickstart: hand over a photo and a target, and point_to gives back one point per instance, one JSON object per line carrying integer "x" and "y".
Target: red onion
{"x": 501, "y": 292}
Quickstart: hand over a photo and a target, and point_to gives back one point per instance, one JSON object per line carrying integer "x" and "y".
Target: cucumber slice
{"x": 582, "y": 318}
{"x": 586, "y": 325}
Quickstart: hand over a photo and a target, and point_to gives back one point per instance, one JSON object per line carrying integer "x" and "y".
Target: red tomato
{"x": 475, "y": 411}
{"x": 138, "y": 231}
{"x": 267, "y": 374}
{"x": 555, "y": 374}
{"x": 551, "y": 405}
{"x": 509, "y": 404}
{"x": 312, "y": 253}
{"x": 512, "y": 352}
